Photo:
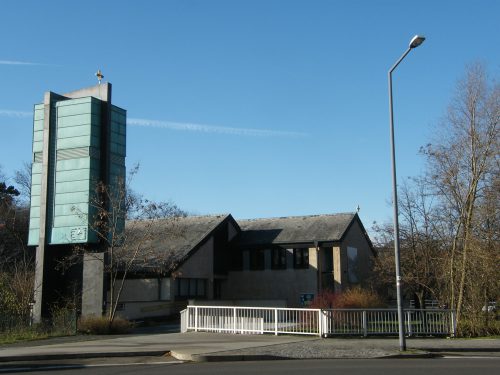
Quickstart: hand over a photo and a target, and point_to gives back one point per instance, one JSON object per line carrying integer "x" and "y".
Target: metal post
{"x": 196, "y": 319}
{"x": 408, "y": 317}
{"x": 234, "y": 319}
{"x": 365, "y": 324}
{"x": 276, "y": 322}
{"x": 320, "y": 321}
{"x": 402, "y": 342}
{"x": 453, "y": 324}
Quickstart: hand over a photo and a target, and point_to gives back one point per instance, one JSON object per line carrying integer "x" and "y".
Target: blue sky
{"x": 256, "y": 108}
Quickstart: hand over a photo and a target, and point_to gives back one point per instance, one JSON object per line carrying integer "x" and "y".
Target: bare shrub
{"x": 357, "y": 298}
{"x": 98, "y": 325}
{"x": 353, "y": 298}
{"x": 327, "y": 299}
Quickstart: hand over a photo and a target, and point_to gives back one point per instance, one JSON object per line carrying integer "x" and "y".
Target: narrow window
{"x": 165, "y": 289}
{"x": 257, "y": 260}
{"x": 278, "y": 259}
{"x": 190, "y": 288}
{"x": 237, "y": 260}
{"x": 352, "y": 264}
{"x": 301, "y": 257}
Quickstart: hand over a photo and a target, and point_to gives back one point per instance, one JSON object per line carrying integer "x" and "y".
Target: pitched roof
{"x": 190, "y": 231}
{"x": 173, "y": 237}
{"x": 174, "y": 240}
{"x": 294, "y": 229}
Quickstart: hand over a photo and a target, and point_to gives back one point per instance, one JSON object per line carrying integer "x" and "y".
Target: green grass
{"x": 21, "y": 335}
{"x": 21, "y": 331}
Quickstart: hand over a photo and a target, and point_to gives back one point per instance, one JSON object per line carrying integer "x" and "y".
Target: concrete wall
{"x": 277, "y": 285}
{"x": 150, "y": 297}
{"x": 140, "y": 290}
{"x": 149, "y": 309}
{"x": 93, "y": 284}
{"x": 200, "y": 266}
{"x": 354, "y": 239}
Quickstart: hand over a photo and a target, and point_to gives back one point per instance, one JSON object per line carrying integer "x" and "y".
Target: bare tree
{"x": 16, "y": 266}
{"x": 450, "y": 218}
{"x": 420, "y": 249}
{"x": 463, "y": 166}
{"x": 22, "y": 177}
{"x": 14, "y": 221}
{"x": 129, "y": 245}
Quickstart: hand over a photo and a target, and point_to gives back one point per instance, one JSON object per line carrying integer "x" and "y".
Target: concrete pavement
{"x": 224, "y": 347}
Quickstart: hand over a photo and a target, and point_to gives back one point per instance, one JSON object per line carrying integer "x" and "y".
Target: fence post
{"x": 408, "y": 317}
{"x": 453, "y": 324}
{"x": 196, "y": 318}
{"x": 365, "y": 324}
{"x": 276, "y": 322}
{"x": 234, "y": 319}
{"x": 325, "y": 321}
{"x": 320, "y": 325}
{"x": 183, "y": 321}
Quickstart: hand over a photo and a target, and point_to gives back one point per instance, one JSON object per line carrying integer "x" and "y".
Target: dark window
{"x": 278, "y": 259}
{"x": 190, "y": 288}
{"x": 327, "y": 262}
{"x": 301, "y": 257}
{"x": 217, "y": 289}
{"x": 237, "y": 260}
{"x": 257, "y": 260}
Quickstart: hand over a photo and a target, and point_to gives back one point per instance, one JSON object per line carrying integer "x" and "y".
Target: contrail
{"x": 186, "y": 126}
{"x": 24, "y": 63}
{"x": 9, "y": 113}
{"x": 202, "y": 128}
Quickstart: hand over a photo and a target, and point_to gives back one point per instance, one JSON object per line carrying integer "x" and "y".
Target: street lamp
{"x": 414, "y": 43}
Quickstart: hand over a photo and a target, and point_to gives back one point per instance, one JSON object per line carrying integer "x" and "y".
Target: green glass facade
{"x": 75, "y": 167}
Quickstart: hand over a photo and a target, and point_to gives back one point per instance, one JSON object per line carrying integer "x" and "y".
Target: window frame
{"x": 304, "y": 257}
{"x": 257, "y": 260}
{"x": 279, "y": 254}
{"x": 192, "y": 283}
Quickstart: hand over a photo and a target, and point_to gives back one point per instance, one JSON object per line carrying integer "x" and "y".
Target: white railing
{"x": 363, "y": 322}
{"x": 250, "y": 320}
{"x": 385, "y": 322}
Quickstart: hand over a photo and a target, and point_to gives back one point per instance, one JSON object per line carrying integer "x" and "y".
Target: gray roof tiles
{"x": 294, "y": 229}
{"x": 187, "y": 232}
{"x": 172, "y": 240}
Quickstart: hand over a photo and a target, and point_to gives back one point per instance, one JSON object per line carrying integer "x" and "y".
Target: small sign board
{"x": 306, "y": 299}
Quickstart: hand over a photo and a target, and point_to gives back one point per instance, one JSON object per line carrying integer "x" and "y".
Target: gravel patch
{"x": 313, "y": 349}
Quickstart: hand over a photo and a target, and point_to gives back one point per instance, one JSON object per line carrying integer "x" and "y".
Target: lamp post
{"x": 414, "y": 43}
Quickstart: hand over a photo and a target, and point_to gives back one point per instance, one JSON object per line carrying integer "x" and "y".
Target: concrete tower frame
{"x": 79, "y": 140}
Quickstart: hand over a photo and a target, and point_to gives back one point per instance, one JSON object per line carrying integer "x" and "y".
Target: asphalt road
{"x": 438, "y": 366}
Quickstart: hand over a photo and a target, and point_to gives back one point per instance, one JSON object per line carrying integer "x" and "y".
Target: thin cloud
{"x": 24, "y": 63}
{"x": 11, "y": 62}
{"x": 17, "y": 114}
{"x": 185, "y": 126}
{"x": 202, "y": 128}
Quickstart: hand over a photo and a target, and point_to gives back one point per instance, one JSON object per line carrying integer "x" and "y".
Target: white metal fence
{"x": 363, "y": 322}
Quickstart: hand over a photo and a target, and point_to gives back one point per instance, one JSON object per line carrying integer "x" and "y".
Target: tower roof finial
{"x": 99, "y": 75}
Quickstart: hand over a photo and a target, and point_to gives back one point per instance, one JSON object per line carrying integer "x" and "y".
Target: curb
{"x": 227, "y": 358}
{"x": 42, "y": 357}
{"x": 266, "y": 357}
{"x": 410, "y": 356}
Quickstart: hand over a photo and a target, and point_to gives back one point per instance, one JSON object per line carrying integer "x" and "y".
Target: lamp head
{"x": 416, "y": 41}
